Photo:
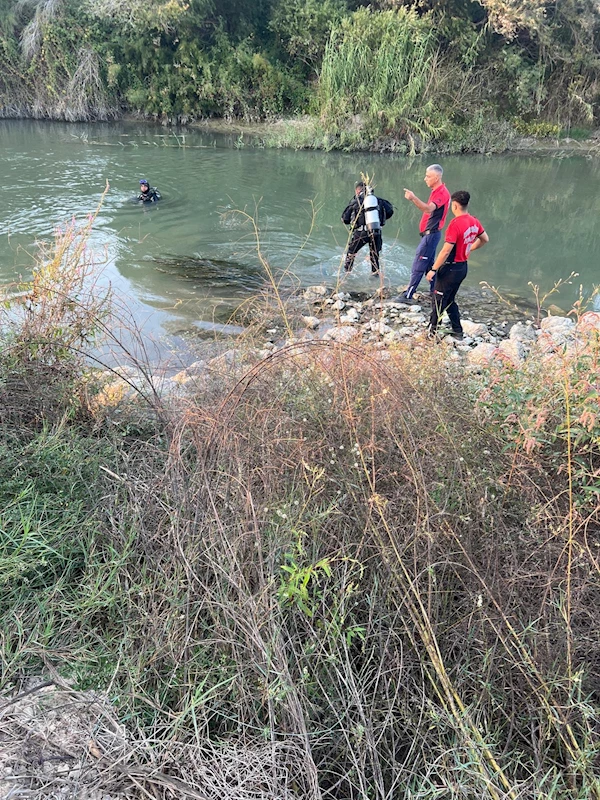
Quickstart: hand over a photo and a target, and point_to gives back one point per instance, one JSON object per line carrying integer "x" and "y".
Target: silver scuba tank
{"x": 371, "y": 208}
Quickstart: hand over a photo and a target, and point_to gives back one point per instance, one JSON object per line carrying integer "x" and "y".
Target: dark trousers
{"x": 423, "y": 262}
{"x": 447, "y": 281}
{"x": 358, "y": 240}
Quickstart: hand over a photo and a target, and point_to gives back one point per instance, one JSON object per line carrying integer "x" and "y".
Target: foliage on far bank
{"x": 386, "y": 568}
{"x": 376, "y": 69}
{"x": 370, "y": 75}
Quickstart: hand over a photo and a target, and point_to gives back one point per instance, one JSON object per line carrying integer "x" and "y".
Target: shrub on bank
{"x": 383, "y": 77}
{"x": 375, "y": 73}
{"x": 548, "y": 411}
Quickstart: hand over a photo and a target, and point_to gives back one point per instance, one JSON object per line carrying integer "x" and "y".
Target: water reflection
{"x": 192, "y": 257}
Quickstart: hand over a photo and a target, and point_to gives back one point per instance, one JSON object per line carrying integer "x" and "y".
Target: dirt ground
{"x": 57, "y": 743}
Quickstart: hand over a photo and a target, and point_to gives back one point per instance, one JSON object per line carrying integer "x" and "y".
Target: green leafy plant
{"x": 375, "y": 75}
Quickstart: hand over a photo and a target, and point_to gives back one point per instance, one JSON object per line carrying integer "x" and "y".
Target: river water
{"x": 193, "y": 257}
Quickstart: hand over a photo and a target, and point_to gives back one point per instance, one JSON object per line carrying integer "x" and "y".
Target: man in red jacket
{"x": 430, "y": 227}
{"x": 465, "y": 233}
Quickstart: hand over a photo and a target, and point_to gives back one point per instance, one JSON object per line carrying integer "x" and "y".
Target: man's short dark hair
{"x": 359, "y": 185}
{"x": 461, "y": 197}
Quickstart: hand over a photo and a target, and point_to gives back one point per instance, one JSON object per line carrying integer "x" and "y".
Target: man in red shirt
{"x": 465, "y": 234}
{"x": 430, "y": 227}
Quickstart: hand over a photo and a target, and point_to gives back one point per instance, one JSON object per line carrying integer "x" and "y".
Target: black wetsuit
{"x": 354, "y": 216}
{"x": 151, "y": 196}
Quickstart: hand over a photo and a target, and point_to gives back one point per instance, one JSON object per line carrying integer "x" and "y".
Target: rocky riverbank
{"x": 494, "y": 331}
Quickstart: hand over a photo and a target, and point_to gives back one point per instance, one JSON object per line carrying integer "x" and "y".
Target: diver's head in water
{"x": 144, "y": 186}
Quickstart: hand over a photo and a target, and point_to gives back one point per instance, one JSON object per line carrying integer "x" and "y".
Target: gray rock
{"x": 379, "y": 327}
{"x": 315, "y": 292}
{"x": 474, "y": 328}
{"x": 197, "y": 368}
{"x": 170, "y": 389}
{"x": 557, "y": 330}
{"x": 513, "y": 350}
{"x": 225, "y": 361}
{"x": 552, "y": 324}
{"x": 522, "y": 333}
{"x": 312, "y": 323}
{"x": 339, "y": 305}
{"x": 342, "y": 334}
{"x": 482, "y": 354}
{"x": 449, "y": 339}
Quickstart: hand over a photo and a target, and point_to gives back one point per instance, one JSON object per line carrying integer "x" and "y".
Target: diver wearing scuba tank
{"x": 148, "y": 194}
{"x": 366, "y": 214}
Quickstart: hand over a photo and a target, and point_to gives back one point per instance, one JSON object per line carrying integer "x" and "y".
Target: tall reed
{"x": 377, "y": 67}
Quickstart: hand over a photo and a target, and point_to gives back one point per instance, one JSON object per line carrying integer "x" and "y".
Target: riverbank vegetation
{"x": 354, "y": 576}
{"x": 454, "y": 75}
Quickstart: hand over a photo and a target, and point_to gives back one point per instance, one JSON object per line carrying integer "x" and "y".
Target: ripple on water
{"x": 51, "y": 172}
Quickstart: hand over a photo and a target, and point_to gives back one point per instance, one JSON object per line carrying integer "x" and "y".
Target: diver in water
{"x": 366, "y": 215}
{"x": 148, "y": 194}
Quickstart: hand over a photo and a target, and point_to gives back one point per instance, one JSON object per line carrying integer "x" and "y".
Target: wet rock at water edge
{"x": 315, "y": 294}
{"x": 224, "y": 329}
{"x": 555, "y": 311}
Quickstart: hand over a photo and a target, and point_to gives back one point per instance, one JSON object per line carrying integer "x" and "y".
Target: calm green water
{"x": 191, "y": 259}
